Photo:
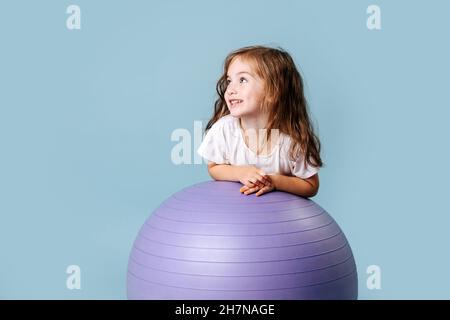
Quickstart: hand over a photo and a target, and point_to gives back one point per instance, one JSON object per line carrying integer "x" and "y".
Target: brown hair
{"x": 284, "y": 99}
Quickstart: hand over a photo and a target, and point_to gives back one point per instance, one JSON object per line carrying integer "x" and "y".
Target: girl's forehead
{"x": 239, "y": 64}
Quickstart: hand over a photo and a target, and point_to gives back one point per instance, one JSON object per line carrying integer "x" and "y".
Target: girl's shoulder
{"x": 227, "y": 124}
{"x": 227, "y": 120}
{"x": 286, "y": 142}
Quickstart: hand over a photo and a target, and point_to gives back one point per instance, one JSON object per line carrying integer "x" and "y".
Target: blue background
{"x": 86, "y": 118}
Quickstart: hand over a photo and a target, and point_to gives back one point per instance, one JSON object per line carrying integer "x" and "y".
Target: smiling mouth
{"x": 234, "y": 102}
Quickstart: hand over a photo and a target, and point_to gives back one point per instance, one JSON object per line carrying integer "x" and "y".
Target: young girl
{"x": 261, "y": 134}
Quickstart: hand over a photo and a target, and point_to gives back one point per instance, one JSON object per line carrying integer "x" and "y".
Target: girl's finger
{"x": 260, "y": 178}
{"x": 263, "y": 175}
{"x": 248, "y": 191}
{"x": 264, "y": 181}
{"x": 244, "y": 188}
{"x": 251, "y": 190}
{"x": 249, "y": 184}
{"x": 260, "y": 184}
{"x": 262, "y": 191}
{"x": 257, "y": 182}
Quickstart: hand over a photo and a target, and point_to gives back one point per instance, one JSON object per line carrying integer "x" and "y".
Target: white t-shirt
{"x": 224, "y": 144}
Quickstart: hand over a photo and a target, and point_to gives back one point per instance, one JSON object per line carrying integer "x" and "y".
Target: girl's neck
{"x": 256, "y": 122}
{"x": 257, "y": 140}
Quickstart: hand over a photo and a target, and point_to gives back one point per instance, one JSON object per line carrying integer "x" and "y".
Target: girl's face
{"x": 245, "y": 90}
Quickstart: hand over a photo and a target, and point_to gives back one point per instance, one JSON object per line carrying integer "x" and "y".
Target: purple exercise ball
{"x": 210, "y": 242}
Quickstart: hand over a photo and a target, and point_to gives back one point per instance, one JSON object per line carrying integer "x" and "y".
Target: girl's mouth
{"x": 235, "y": 102}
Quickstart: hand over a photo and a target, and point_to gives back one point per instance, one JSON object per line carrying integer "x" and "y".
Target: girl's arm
{"x": 247, "y": 175}
{"x": 302, "y": 187}
{"x": 223, "y": 172}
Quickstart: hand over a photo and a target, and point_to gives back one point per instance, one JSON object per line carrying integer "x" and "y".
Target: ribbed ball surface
{"x": 209, "y": 241}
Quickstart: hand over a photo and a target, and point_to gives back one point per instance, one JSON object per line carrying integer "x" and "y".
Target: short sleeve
{"x": 213, "y": 146}
{"x": 300, "y": 170}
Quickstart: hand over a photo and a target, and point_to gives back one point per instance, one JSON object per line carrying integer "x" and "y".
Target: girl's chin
{"x": 240, "y": 114}
{"x": 234, "y": 112}
{"x": 236, "y": 115}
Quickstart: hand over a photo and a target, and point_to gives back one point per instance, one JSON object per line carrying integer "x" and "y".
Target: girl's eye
{"x": 241, "y": 80}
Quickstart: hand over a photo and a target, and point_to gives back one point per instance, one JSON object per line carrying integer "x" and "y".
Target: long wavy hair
{"x": 284, "y": 99}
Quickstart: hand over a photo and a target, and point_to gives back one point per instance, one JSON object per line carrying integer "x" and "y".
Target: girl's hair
{"x": 284, "y": 99}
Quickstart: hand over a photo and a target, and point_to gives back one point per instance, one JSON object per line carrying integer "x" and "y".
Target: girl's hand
{"x": 253, "y": 177}
{"x": 259, "y": 190}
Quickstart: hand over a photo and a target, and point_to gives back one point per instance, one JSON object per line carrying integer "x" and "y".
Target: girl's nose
{"x": 231, "y": 89}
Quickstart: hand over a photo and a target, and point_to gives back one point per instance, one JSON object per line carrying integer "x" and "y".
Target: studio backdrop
{"x": 103, "y": 105}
